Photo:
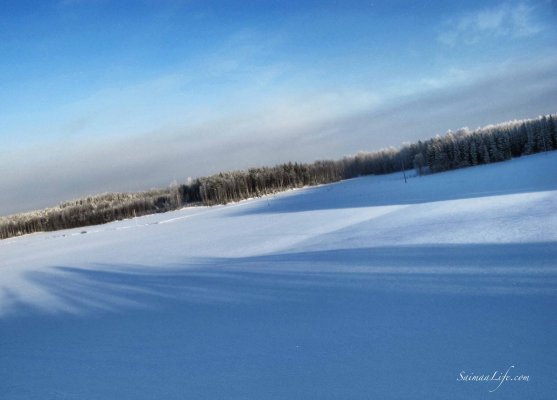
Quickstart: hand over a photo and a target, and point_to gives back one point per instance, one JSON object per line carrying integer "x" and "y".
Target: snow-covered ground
{"x": 365, "y": 289}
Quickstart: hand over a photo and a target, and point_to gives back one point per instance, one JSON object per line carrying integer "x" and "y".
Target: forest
{"x": 460, "y": 149}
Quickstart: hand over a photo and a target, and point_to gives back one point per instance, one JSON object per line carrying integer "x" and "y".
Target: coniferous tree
{"x": 419, "y": 163}
{"x": 473, "y": 152}
{"x": 453, "y": 150}
{"x": 552, "y": 130}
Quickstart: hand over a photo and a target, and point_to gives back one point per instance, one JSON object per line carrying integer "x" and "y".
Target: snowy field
{"x": 365, "y": 289}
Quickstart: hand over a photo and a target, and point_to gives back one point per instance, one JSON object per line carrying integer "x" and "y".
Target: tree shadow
{"x": 461, "y": 269}
{"x": 321, "y": 324}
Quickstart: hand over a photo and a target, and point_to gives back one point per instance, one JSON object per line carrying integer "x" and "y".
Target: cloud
{"x": 177, "y": 148}
{"x": 505, "y": 20}
{"x": 294, "y": 127}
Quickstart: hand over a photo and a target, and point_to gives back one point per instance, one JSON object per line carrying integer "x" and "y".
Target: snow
{"x": 367, "y": 288}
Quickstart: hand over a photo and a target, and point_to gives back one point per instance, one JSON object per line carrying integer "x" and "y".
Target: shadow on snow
{"x": 463, "y": 269}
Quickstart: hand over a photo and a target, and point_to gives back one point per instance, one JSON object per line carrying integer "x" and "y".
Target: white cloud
{"x": 513, "y": 21}
{"x": 316, "y": 125}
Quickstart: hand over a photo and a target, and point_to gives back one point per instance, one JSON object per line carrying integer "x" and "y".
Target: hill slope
{"x": 368, "y": 288}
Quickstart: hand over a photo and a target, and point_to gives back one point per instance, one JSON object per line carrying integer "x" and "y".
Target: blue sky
{"x": 128, "y": 95}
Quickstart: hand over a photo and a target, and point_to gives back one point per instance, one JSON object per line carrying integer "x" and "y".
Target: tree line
{"x": 463, "y": 148}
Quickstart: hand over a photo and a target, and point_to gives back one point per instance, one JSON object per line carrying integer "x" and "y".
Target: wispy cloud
{"x": 515, "y": 21}
{"x": 253, "y": 95}
{"x": 316, "y": 125}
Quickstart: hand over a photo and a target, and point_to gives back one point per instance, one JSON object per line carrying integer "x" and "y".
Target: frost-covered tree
{"x": 552, "y": 130}
{"x": 419, "y": 163}
{"x": 473, "y": 152}
{"x": 453, "y": 150}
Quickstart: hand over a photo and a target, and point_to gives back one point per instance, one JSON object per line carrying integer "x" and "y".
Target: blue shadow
{"x": 310, "y": 325}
